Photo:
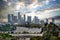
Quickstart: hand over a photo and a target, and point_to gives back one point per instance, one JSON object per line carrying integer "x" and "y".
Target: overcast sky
{"x": 40, "y": 8}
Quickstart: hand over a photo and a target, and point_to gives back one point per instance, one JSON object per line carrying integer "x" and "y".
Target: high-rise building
{"x": 53, "y": 20}
{"x": 19, "y": 18}
{"x": 42, "y": 21}
{"x": 24, "y": 18}
{"x": 29, "y": 19}
{"x": 46, "y": 20}
{"x": 36, "y": 20}
{"x": 15, "y": 19}
{"x": 22, "y": 21}
{"x": 10, "y": 18}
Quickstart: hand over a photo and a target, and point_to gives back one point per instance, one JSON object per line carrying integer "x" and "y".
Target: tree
{"x": 24, "y": 32}
{"x": 53, "y": 38}
{"x": 51, "y": 32}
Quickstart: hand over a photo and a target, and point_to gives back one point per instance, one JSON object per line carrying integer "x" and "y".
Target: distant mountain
{"x": 55, "y": 17}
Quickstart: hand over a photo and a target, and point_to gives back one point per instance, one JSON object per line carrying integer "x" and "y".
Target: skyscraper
{"x": 15, "y": 19}
{"x": 19, "y": 18}
{"x": 29, "y": 19}
{"x": 46, "y": 20}
{"x": 53, "y": 20}
{"x": 10, "y": 18}
{"x": 42, "y": 21}
{"x": 36, "y": 20}
{"x": 24, "y": 18}
{"x": 22, "y": 21}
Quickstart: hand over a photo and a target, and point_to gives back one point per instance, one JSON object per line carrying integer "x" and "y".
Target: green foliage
{"x": 52, "y": 28}
{"x": 25, "y": 32}
{"x": 53, "y": 38}
{"x": 7, "y": 27}
{"x": 31, "y": 25}
{"x": 7, "y": 37}
{"x": 36, "y": 38}
{"x": 51, "y": 32}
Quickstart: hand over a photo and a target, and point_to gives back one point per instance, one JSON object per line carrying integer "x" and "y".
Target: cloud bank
{"x": 29, "y": 6}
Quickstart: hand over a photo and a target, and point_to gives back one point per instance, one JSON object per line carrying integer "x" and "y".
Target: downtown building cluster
{"x": 23, "y": 20}
{"x": 16, "y": 19}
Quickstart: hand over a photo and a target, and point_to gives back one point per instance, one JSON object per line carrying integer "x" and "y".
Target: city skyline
{"x": 22, "y": 19}
{"x": 41, "y": 8}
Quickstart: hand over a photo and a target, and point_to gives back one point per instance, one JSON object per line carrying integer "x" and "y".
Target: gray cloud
{"x": 3, "y": 7}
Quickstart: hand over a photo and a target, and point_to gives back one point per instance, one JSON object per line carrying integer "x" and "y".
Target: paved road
{"x": 26, "y": 34}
